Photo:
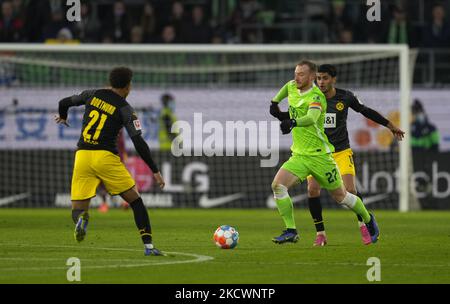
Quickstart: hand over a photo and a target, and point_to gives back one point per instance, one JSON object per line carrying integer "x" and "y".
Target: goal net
{"x": 231, "y": 147}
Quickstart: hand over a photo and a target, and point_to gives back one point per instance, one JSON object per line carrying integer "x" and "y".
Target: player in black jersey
{"x": 96, "y": 159}
{"x": 338, "y": 103}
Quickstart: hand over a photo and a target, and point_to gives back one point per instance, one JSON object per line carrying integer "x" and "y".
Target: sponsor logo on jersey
{"x": 340, "y": 106}
{"x": 137, "y": 124}
{"x": 103, "y": 105}
{"x": 330, "y": 120}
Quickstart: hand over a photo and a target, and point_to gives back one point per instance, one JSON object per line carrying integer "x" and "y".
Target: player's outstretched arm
{"x": 380, "y": 119}
{"x": 63, "y": 109}
{"x": 72, "y": 101}
{"x": 133, "y": 127}
{"x": 144, "y": 152}
{"x": 370, "y": 113}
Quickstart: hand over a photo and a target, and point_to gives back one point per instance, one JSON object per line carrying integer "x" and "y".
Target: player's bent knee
{"x": 338, "y": 195}
{"x": 130, "y": 195}
{"x": 348, "y": 200}
{"x": 280, "y": 191}
{"x": 313, "y": 191}
{"x": 352, "y": 190}
{"x": 274, "y": 185}
{"x": 349, "y": 183}
{"x": 81, "y": 204}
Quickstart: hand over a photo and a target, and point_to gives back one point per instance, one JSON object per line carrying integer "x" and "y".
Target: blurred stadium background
{"x": 224, "y": 59}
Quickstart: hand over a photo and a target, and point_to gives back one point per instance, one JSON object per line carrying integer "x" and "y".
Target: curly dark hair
{"x": 120, "y": 77}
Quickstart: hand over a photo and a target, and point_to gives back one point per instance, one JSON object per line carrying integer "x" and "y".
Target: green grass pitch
{"x": 36, "y": 243}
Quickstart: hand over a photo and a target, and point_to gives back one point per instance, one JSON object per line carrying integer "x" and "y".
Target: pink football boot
{"x": 321, "y": 240}
{"x": 365, "y": 235}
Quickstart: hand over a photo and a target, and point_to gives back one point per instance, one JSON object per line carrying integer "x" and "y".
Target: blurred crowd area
{"x": 420, "y": 23}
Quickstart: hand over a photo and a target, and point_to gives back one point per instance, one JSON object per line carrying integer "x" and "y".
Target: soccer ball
{"x": 226, "y": 237}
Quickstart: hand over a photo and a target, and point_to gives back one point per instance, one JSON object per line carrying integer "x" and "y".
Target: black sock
{"x": 76, "y": 214}
{"x": 142, "y": 220}
{"x": 315, "y": 208}
{"x": 359, "y": 216}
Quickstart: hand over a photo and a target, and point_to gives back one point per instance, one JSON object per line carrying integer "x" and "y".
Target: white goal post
{"x": 375, "y": 58}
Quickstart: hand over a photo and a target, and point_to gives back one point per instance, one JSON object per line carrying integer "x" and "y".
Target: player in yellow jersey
{"x": 106, "y": 113}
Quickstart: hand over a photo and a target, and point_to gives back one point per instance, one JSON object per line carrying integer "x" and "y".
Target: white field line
{"x": 198, "y": 258}
{"x": 152, "y": 261}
